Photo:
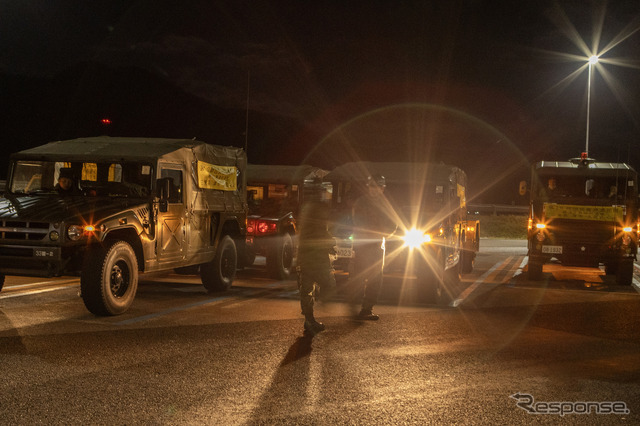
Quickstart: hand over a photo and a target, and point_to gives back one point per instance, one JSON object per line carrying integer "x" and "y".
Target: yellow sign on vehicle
{"x": 210, "y": 176}
{"x": 567, "y": 211}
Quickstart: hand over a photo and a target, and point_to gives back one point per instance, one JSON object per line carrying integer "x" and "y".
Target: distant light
{"x": 593, "y": 60}
{"x": 105, "y": 121}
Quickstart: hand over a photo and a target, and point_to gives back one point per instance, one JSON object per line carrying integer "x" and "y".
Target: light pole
{"x": 592, "y": 61}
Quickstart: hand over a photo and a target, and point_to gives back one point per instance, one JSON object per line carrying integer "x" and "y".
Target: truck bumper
{"x": 574, "y": 254}
{"x": 36, "y": 261}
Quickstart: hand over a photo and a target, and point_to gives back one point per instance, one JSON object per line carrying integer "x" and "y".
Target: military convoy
{"x": 583, "y": 213}
{"x": 435, "y": 238}
{"x": 137, "y": 205}
{"x": 140, "y": 205}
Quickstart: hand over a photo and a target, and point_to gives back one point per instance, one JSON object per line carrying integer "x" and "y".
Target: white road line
{"x": 30, "y": 293}
{"x": 477, "y": 283}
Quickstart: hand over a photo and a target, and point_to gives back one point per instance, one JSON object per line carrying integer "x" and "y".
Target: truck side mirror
{"x": 588, "y": 186}
{"x": 164, "y": 192}
{"x": 523, "y": 188}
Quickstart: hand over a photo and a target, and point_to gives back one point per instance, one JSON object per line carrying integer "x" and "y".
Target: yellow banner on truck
{"x": 567, "y": 211}
{"x": 210, "y": 176}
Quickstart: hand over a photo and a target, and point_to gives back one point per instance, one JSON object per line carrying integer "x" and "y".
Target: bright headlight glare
{"x": 75, "y": 232}
{"x": 627, "y": 229}
{"x": 540, "y": 225}
{"x": 415, "y": 238}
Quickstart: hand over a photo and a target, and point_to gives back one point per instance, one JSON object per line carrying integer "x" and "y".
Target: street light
{"x": 592, "y": 61}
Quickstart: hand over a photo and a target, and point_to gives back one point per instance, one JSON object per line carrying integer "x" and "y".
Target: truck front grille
{"x": 23, "y": 230}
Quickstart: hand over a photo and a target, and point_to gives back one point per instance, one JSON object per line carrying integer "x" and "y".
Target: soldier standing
{"x": 315, "y": 272}
{"x": 371, "y": 225}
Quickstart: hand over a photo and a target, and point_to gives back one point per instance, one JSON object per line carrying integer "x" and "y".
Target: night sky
{"x": 489, "y": 86}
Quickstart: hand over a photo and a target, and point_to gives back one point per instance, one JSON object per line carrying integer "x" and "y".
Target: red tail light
{"x": 251, "y": 226}
{"x": 261, "y": 227}
{"x": 265, "y": 227}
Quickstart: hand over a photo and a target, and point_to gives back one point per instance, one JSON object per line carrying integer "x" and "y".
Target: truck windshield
{"x": 601, "y": 189}
{"x": 84, "y": 178}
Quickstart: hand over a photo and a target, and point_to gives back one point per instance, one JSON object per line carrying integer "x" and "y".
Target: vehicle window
{"x": 175, "y": 176}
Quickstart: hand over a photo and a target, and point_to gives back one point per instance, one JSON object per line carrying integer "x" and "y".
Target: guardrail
{"x": 496, "y": 209}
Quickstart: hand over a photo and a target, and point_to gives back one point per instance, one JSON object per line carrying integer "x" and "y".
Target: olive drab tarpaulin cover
{"x": 221, "y": 173}
{"x": 154, "y": 151}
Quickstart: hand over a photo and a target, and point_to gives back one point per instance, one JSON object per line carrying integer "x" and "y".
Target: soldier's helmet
{"x": 377, "y": 180}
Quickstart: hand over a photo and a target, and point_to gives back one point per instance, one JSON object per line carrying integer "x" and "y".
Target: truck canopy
{"x": 105, "y": 148}
{"x": 282, "y": 174}
{"x": 413, "y": 188}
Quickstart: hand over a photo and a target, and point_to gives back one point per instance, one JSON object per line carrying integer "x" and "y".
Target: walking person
{"x": 371, "y": 225}
{"x": 315, "y": 272}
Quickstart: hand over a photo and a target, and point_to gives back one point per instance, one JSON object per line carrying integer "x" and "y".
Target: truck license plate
{"x": 40, "y": 252}
{"x": 345, "y": 252}
{"x": 552, "y": 249}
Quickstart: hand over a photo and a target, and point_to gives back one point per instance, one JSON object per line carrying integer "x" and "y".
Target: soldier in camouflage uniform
{"x": 315, "y": 272}
{"x": 371, "y": 225}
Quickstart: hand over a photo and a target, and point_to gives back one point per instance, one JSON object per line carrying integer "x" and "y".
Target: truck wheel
{"x": 1, "y": 281}
{"x": 109, "y": 279}
{"x": 534, "y": 270}
{"x": 624, "y": 274}
{"x": 468, "y": 261}
{"x": 218, "y": 274}
{"x": 280, "y": 260}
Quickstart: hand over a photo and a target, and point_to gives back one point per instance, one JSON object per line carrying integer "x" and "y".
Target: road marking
{"x": 169, "y": 311}
{"x": 493, "y": 270}
{"x": 61, "y": 285}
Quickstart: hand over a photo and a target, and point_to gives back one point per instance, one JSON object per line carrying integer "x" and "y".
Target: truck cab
{"x": 583, "y": 212}
{"x": 434, "y": 239}
{"x": 135, "y": 205}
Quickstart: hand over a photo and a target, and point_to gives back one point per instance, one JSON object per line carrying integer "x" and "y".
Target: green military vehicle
{"x": 136, "y": 205}
{"x": 583, "y": 213}
{"x": 435, "y": 237}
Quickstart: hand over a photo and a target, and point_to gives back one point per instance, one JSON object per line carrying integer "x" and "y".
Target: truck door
{"x": 172, "y": 224}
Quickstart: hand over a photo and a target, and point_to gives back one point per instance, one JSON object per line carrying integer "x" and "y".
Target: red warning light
{"x": 105, "y": 121}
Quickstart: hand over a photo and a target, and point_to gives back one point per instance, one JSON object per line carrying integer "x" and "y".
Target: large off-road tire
{"x": 534, "y": 270}
{"x": 109, "y": 279}
{"x": 280, "y": 260}
{"x": 1, "y": 281}
{"x": 624, "y": 274}
{"x": 218, "y": 275}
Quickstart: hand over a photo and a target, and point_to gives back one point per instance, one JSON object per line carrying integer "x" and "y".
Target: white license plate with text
{"x": 552, "y": 249}
{"x": 345, "y": 252}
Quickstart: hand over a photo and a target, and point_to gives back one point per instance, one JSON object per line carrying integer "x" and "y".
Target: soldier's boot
{"x": 312, "y": 326}
{"x": 366, "y": 313}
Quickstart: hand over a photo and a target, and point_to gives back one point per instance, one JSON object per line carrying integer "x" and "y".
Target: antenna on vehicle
{"x": 246, "y": 125}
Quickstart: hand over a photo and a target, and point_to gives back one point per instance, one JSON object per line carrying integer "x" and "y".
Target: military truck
{"x": 275, "y": 194}
{"x": 435, "y": 237}
{"x": 136, "y": 205}
{"x": 583, "y": 212}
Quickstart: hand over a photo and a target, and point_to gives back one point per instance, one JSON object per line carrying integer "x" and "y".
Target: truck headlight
{"x": 75, "y": 232}
{"x": 414, "y": 238}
